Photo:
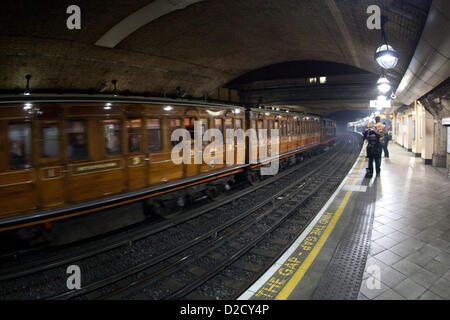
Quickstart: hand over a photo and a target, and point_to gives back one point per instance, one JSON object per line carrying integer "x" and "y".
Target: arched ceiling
{"x": 199, "y": 48}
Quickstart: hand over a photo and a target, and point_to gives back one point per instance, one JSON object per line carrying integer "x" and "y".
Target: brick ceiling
{"x": 199, "y": 48}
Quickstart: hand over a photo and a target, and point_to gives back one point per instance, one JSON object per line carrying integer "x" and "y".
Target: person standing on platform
{"x": 374, "y": 150}
{"x": 387, "y": 138}
{"x": 380, "y": 128}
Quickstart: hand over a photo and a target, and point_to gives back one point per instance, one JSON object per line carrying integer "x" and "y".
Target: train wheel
{"x": 253, "y": 177}
{"x": 155, "y": 207}
{"x": 213, "y": 192}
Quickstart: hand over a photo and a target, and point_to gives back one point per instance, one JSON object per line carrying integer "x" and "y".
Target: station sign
{"x": 380, "y": 104}
{"x": 446, "y": 122}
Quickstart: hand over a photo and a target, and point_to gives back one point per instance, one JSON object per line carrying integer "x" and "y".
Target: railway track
{"x": 186, "y": 256}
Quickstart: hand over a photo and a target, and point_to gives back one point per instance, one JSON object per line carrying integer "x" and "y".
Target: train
{"x": 66, "y": 156}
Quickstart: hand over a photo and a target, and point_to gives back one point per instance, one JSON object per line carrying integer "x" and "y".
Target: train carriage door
{"x": 191, "y": 169}
{"x": 229, "y": 142}
{"x": 136, "y": 158}
{"x": 239, "y": 143}
{"x": 220, "y": 152}
{"x": 284, "y": 139}
{"x": 205, "y": 159}
{"x": 18, "y": 181}
{"x": 269, "y": 137}
{"x": 51, "y": 170}
{"x": 262, "y": 143}
{"x": 253, "y": 147}
{"x": 276, "y": 126}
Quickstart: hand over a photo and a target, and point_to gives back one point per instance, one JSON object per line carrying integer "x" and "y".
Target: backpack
{"x": 372, "y": 137}
{"x": 373, "y": 140}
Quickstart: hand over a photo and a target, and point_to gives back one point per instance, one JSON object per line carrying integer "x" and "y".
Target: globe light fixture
{"x": 386, "y": 56}
{"x": 384, "y": 85}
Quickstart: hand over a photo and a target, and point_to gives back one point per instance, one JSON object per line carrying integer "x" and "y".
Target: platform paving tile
{"x": 389, "y": 295}
{"x": 424, "y": 278}
{"x": 428, "y": 295}
{"x": 391, "y": 277}
{"x": 374, "y": 261}
{"x": 398, "y": 236}
{"x": 440, "y": 244}
{"x": 445, "y": 236}
{"x": 384, "y": 229}
{"x": 386, "y": 242}
{"x": 447, "y": 275}
{"x": 421, "y": 258}
{"x": 442, "y": 288}
{"x": 373, "y": 292}
{"x": 383, "y": 219}
{"x": 403, "y": 249}
{"x": 362, "y": 297}
{"x": 429, "y": 234}
{"x": 410, "y": 231}
{"x": 406, "y": 267}
{"x": 430, "y": 250}
{"x": 376, "y": 235}
{"x": 375, "y": 249}
{"x": 437, "y": 268}
{"x": 409, "y": 289}
{"x": 388, "y": 257}
{"x": 444, "y": 258}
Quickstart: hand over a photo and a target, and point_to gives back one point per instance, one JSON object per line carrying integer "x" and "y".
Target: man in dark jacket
{"x": 374, "y": 151}
{"x": 387, "y": 138}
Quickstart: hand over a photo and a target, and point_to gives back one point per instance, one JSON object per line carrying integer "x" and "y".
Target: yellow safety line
{"x": 293, "y": 282}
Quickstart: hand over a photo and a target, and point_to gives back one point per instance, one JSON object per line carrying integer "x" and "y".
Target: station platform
{"x": 383, "y": 238}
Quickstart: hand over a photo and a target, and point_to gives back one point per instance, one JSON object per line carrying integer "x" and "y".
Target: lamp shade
{"x": 386, "y": 56}
{"x": 384, "y": 85}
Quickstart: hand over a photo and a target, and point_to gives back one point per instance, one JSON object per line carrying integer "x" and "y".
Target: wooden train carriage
{"x": 328, "y": 129}
{"x": 57, "y": 155}
{"x": 297, "y": 132}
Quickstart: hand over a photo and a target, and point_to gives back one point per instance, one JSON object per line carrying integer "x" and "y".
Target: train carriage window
{"x": 77, "y": 138}
{"x": 228, "y": 123}
{"x": 112, "y": 130}
{"x": 218, "y": 124}
{"x": 189, "y": 125}
{"x": 19, "y": 135}
{"x": 134, "y": 135}
{"x": 238, "y": 123}
{"x": 154, "y": 134}
{"x": 283, "y": 128}
{"x": 50, "y": 140}
{"x": 276, "y": 125}
{"x": 205, "y": 127}
{"x": 174, "y": 125}
{"x": 260, "y": 124}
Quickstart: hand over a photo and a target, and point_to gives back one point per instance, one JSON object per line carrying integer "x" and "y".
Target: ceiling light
{"x": 386, "y": 56}
{"x": 384, "y": 85}
{"x": 168, "y": 108}
{"x": 115, "y": 91}
{"x": 27, "y": 91}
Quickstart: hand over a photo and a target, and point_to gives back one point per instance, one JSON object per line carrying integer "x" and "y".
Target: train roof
{"x": 64, "y": 98}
